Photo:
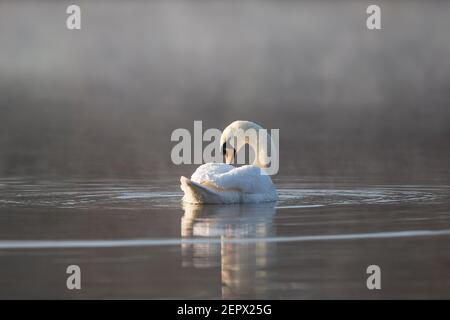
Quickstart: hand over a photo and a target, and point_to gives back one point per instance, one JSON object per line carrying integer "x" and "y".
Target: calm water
{"x": 135, "y": 239}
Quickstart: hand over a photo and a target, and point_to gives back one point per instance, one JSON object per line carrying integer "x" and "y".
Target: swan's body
{"x": 223, "y": 183}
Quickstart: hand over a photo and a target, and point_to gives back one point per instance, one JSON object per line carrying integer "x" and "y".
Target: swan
{"x": 222, "y": 183}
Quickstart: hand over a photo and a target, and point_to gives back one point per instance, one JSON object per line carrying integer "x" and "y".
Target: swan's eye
{"x": 224, "y": 150}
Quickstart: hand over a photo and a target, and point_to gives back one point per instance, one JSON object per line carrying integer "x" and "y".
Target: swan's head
{"x": 238, "y": 134}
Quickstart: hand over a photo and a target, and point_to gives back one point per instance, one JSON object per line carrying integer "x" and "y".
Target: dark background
{"x": 104, "y": 100}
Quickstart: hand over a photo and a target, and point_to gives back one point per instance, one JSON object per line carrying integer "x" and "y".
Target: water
{"x": 135, "y": 239}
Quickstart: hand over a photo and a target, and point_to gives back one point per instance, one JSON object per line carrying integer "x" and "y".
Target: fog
{"x": 104, "y": 100}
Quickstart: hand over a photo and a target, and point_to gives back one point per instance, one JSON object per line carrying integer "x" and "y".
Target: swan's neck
{"x": 241, "y": 133}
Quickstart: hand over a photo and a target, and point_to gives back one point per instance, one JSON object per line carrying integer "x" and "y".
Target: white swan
{"x": 224, "y": 183}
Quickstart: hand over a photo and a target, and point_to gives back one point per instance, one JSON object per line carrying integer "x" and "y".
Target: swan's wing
{"x": 195, "y": 192}
{"x": 246, "y": 179}
{"x": 198, "y": 193}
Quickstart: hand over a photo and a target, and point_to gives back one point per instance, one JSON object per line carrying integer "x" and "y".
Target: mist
{"x": 104, "y": 100}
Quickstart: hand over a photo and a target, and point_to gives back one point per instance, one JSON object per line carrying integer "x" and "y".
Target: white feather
{"x": 223, "y": 183}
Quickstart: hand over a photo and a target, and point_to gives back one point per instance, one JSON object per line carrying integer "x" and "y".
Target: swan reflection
{"x": 243, "y": 265}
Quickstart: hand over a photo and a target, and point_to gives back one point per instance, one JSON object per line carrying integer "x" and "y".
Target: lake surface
{"x": 135, "y": 239}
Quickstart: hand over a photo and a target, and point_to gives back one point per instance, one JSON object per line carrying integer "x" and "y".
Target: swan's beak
{"x": 229, "y": 155}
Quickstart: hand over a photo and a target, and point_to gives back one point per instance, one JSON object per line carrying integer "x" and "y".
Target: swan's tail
{"x": 197, "y": 193}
